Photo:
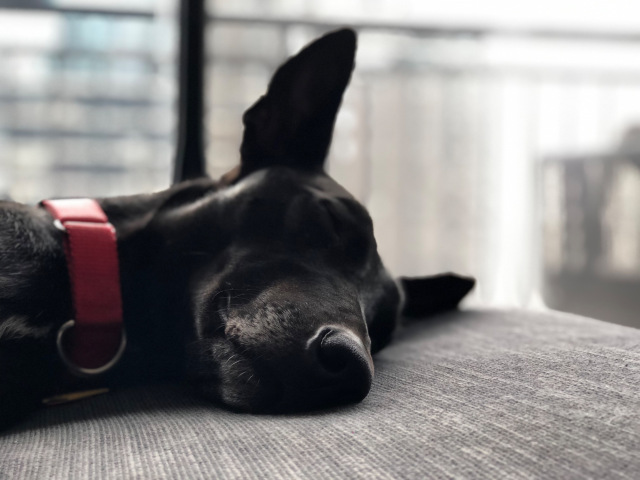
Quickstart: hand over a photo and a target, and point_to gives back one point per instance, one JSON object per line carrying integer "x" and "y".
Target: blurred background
{"x": 492, "y": 138}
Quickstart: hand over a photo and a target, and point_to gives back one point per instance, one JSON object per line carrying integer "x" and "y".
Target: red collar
{"x": 94, "y": 340}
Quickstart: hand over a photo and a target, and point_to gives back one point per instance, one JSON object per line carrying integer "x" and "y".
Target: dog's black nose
{"x": 342, "y": 360}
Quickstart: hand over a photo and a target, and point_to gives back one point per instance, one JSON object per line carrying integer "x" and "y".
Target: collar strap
{"x": 94, "y": 340}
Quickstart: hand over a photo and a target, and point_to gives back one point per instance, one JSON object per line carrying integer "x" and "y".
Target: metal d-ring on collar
{"x": 82, "y": 371}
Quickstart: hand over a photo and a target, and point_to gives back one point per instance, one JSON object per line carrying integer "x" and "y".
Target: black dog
{"x": 265, "y": 288}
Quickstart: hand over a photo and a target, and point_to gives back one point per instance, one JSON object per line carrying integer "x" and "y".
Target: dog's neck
{"x": 154, "y": 248}
{"x": 154, "y": 258}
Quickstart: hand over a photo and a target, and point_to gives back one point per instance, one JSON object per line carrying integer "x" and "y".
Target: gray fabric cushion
{"x": 474, "y": 394}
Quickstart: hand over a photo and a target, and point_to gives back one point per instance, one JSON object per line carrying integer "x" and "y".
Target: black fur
{"x": 227, "y": 283}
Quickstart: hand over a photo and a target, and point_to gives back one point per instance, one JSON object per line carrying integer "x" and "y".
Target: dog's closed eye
{"x": 352, "y": 227}
{"x": 213, "y": 314}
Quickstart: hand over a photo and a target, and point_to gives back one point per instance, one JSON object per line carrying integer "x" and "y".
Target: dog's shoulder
{"x": 32, "y": 282}
{"x": 24, "y": 227}
{"x": 32, "y": 270}
{"x": 28, "y": 243}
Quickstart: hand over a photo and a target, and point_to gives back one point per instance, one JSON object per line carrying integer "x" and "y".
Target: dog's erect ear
{"x": 430, "y": 295}
{"x": 293, "y": 122}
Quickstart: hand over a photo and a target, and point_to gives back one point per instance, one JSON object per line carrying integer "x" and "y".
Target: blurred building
{"x": 86, "y": 101}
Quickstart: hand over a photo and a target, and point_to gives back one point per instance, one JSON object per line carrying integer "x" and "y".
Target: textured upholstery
{"x": 481, "y": 394}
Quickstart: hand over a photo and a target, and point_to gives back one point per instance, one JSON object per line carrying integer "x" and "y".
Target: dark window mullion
{"x": 190, "y": 159}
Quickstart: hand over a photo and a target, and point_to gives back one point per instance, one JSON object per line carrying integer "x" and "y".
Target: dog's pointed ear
{"x": 292, "y": 123}
{"x": 430, "y": 295}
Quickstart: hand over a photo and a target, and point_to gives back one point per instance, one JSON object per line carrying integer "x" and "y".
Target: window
{"x": 487, "y": 140}
{"x": 87, "y": 99}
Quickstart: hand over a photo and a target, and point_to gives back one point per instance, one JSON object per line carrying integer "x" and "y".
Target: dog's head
{"x": 291, "y": 309}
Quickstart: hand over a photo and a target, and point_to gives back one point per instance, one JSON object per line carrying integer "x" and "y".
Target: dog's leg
{"x": 34, "y": 302}
{"x": 27, "y": 367}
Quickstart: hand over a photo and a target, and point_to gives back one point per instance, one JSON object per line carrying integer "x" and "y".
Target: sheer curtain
{"x": 443, "y": 135}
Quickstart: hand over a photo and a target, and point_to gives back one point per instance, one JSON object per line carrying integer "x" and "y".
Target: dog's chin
{"x": 243, "y": 398}
{"x": 273, "y": 399}
{"x": 244, "y": 391}
{"x": 227, "y": 377}
{"x": 233, "y": 380}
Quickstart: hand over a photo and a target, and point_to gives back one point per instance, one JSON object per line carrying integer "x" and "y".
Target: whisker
{"x": 234, "y": 363}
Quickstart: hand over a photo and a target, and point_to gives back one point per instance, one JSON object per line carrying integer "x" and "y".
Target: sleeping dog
{"x": 264, "y": 288}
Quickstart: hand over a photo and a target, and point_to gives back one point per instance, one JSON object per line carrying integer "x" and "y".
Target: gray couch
{"x": 472, "y": 394}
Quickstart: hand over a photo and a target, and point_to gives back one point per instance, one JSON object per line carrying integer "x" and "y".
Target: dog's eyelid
{"x": 362, "y": 309}
{"x": 333, "y": 213}
{"x": 223, "y": 307}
